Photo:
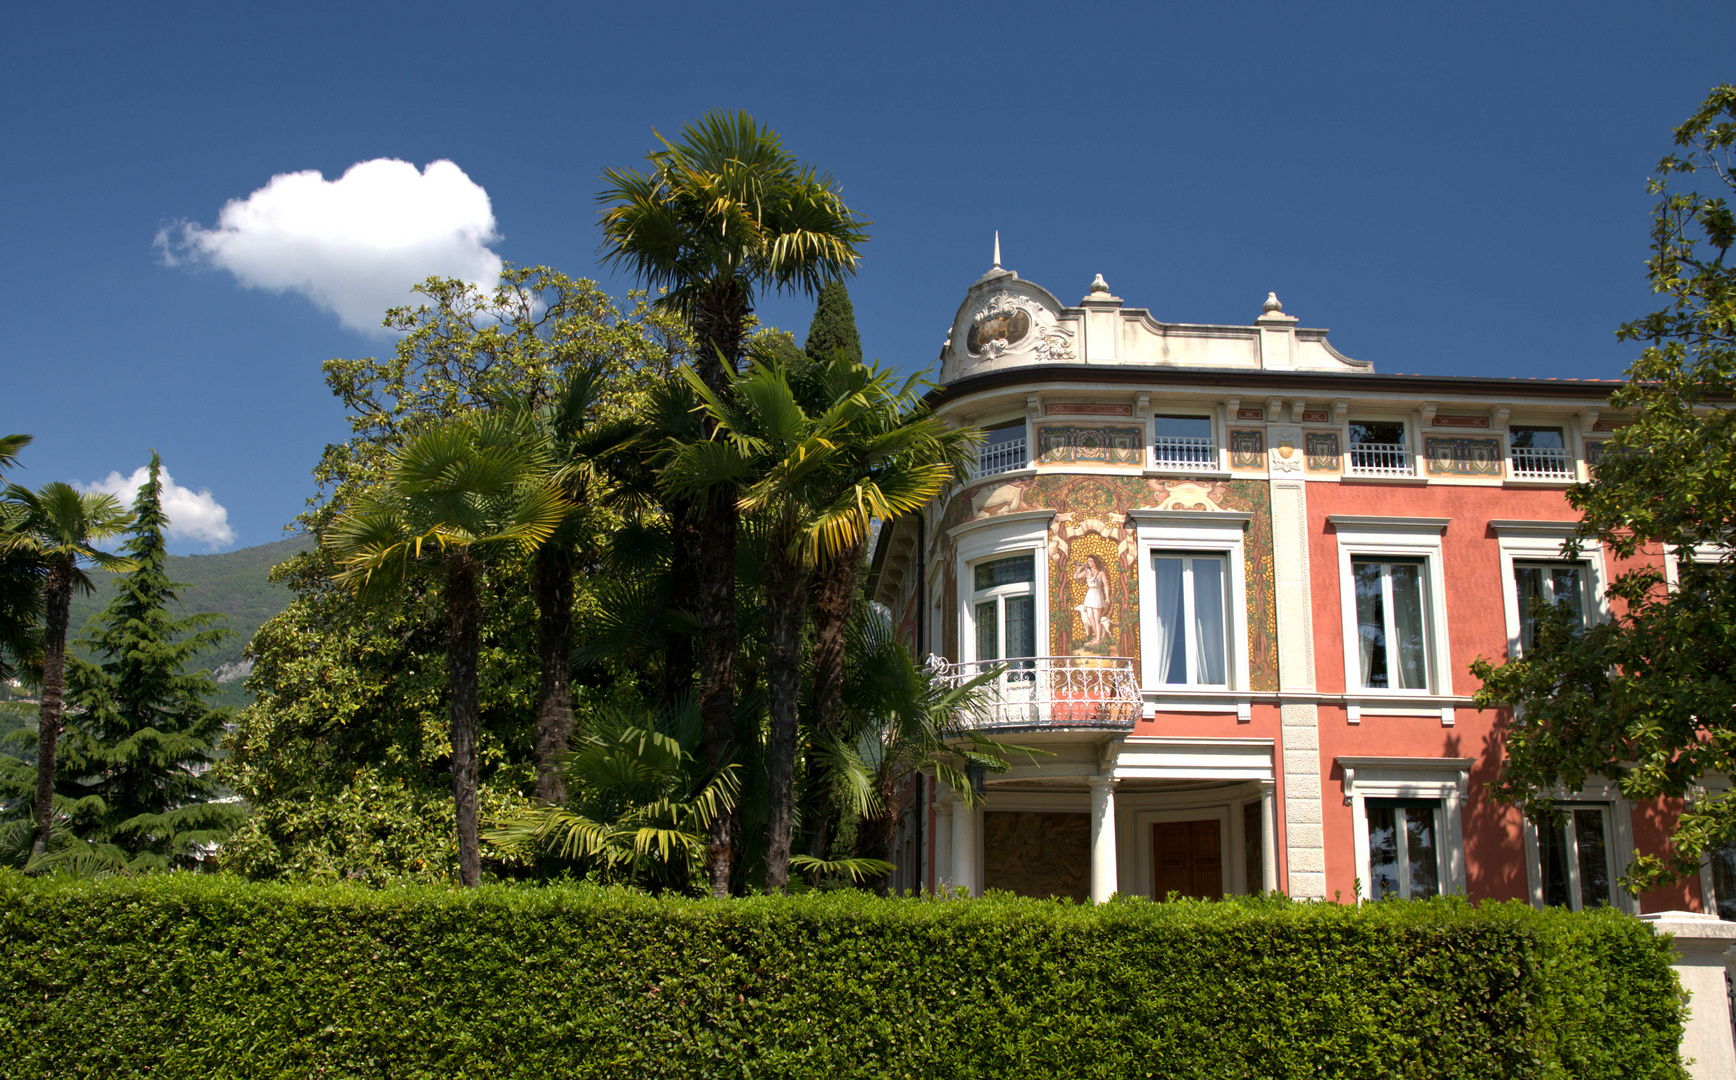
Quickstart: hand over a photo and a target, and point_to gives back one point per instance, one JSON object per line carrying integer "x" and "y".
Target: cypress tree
{"x": 141, "y": 735}
{"x": 832, "y": 334}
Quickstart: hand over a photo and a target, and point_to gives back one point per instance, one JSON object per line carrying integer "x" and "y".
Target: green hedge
{"x": 182, "y": 976}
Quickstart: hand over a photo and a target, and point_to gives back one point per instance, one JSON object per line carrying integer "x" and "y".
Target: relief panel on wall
{"x": 1322, "y": 451}
{"x": 1449, "y": 456}
{"x": 1098, "y": 444}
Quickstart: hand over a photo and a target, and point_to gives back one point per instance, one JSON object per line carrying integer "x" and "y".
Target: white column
{"x": 1268, "y": 836}
{"x": 1103, "y": 870}
{"x": 964, "y": 845}
{"x": 942, "y": 839}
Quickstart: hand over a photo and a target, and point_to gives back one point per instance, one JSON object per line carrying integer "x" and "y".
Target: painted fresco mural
{"x": 1322, "y": 451}
{"x": 1099, "y": 444}
{"x": 1092, "y": 552}
{"x": 1451, "y": 456}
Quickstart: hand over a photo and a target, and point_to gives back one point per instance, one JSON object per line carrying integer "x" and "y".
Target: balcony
{"x": 1183, "y": 452}
{"x": 1000, "y": 457}
{"x": 1541, "y": 463}
{"x": 1039, "y": 692}
{"x": 1381, "y": 459}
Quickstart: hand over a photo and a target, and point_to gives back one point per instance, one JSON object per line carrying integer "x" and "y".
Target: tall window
{"x": 1544, "y": 585}
{"x": 1575, "y": 856}
{"x": 1723, "y": 861}
{"x": 1183, "y": 442}
{"x": 1391, "y": 623}
{"x": 1005, "y": 611}
{"x": 1189, "y": 596}
{"x": 1404, "y": 848}
{"x": 1378, "y": 448}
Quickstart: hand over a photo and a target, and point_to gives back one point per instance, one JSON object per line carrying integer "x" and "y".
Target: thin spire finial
{"x": 997, "y": 249}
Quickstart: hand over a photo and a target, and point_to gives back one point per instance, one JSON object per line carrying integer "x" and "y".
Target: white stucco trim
{"x": 1541, "y": 541}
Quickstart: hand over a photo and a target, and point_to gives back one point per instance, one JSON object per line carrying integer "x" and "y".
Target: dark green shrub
{"x": 183, "y": 976}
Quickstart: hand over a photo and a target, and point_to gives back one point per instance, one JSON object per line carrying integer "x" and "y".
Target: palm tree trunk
{"x": 552, "y": 582}
{"x": 57, "y": 597}
{"x": 463, "y": 640}
{"x": 786, "y": 587}
{"x": 874, "y": 837}
{"x": 834, "y": 596}
{"x": 714, "y": 599}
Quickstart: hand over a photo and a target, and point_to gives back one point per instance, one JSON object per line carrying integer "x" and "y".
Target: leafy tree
{"x": 1648, "y": 698}
{"x": 58, "y": 528}
{"x": 345, "y": 755}
{"x": 457, "y": 496}
{"x": 832, "y": 335}
{"x": 141, "y": 741}
{"x": 720, "y": 214}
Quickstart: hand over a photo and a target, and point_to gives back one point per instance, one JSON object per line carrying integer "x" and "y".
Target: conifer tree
{"x": 141, "y": 736}
{"x": 832, "y": 334}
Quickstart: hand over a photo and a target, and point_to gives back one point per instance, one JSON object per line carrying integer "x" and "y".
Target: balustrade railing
{"x": 1381, "y": 459}
{"x": 1541, "y": 463}
{"x": 1001, "y": 457}
{"x": 1050, "y": 692}
{"x": 1184, "y": 452}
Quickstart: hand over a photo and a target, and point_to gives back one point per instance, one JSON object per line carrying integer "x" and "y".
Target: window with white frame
{"x": 1404, "y": 848}
{"x": 1721, "y": 867}
{"x": 1003, "y": 449}
{"x": 1380, "y": 448}
{"x": 1575, "y": 858}
{"x": 1189, "y": 600}
{"x": 1408, "y": 835}
{"x": 1192, "y": 581}
{"x": 1392, "y": 637}
{"x": 1004, "y": 611}
{"x": 1183, "y": 441}
{"x": 1394, "y": 606}
{"x": 1535, "y": 574}
{"x": 1538, "y": 453}
{"x": 1547, "y": 584}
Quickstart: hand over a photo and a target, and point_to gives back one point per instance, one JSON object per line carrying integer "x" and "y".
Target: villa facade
{"x": 1237, "y": 579}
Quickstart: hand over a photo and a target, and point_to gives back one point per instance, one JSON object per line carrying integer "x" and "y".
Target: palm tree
{"x": 456, "y": 498}
{"x": 20, "y": 637}
{"x": 721, "y": 213}
{"x": 58, "y": 527}
{"x": 816, "y": 480}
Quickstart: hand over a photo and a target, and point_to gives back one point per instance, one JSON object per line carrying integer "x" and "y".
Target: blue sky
{"x": 1455, "y": 191}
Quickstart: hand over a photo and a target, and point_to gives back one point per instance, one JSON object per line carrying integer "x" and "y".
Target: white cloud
{"x": 354, "y": 245}
{"x": 193, "y": 515}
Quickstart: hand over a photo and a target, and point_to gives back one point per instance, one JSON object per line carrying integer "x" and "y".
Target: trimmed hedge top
{"x": 188, "y": 976}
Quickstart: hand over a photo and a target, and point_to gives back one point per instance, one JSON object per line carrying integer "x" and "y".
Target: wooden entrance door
{"x": 1187, "y": 858}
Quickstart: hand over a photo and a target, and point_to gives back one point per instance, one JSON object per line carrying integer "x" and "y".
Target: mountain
{"x": 231, "y": 584}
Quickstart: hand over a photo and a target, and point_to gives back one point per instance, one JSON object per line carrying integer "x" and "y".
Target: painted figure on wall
{"x": 1093, "y": 609}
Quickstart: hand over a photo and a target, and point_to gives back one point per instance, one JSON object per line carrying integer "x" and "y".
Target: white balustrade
{"x": 1541, "y": 463}
{"x": 1381, "y": 459}
{"x": 1001, "y": 457}
{"x": 1184, "y": 452}
{"x": 1051, "y": 692}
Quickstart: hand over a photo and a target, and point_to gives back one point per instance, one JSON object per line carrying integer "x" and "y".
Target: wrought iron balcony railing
{"x": 1381, "y": 459}
{"x": 1051, "y": 692}
{"x": 1541, "y": 463}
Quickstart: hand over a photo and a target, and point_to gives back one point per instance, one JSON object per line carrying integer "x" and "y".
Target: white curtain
{"x": 1208, "y": 589}
{"x": 1171, "y": 626}
{"x": 1370, "y": 620}
{"x": 1407, "y": 618}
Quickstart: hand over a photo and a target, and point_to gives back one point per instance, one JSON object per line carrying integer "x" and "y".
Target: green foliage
{"x": 832, "y": 335}
{"x": 184, "y": 976}
{"x": 1648, "y": 698}
{"x": 141, "y": 735}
